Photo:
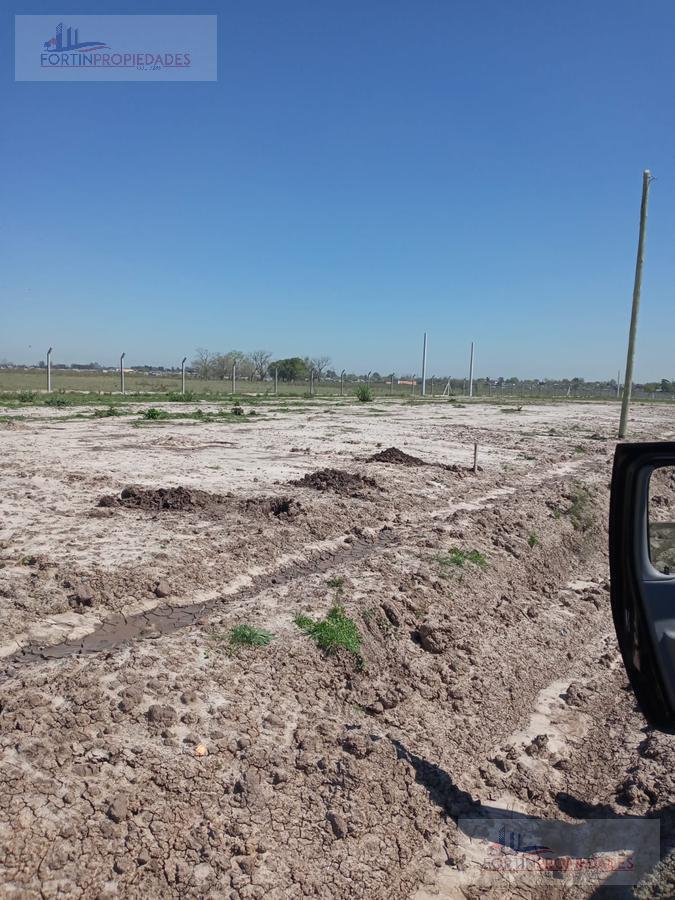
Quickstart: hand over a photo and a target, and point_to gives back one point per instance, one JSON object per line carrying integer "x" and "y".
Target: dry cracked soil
{"x": 142, "y": 754}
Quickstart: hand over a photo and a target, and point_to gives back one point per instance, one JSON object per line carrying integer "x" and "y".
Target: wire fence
{"x": 18, "y": 381}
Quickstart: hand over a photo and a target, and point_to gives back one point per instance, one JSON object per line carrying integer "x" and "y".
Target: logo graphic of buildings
{"x": 71, "y": 41}
{"x": 516, "y": 843}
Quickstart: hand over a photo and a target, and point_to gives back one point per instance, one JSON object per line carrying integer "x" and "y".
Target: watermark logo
{"x": 116, "y": 48}
{"x": 535, "y": 851}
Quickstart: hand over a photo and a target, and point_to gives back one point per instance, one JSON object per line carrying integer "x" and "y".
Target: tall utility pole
{"x": 49, "y": 370}
{"x": 424, "y": 365}
{"x": 182, "y": 375}
{"x": 471, "y": 372}
{"x": 122, "y": 372}
{"x": 628, "y": 377}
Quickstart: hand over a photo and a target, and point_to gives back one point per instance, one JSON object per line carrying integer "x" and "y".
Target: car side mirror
{"x": 642, "y": 569}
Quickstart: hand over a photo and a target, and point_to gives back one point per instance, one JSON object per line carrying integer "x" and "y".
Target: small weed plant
{"x": 580, "y": 511}
{"x": 364, "y": 393}
{"x": 56, "y": 400}
{"x": 458, "y": 558}
{"x": 242, "y": 636}
{"x": 336, "y": 630}
{"x": 337, "y": 583}
{"x": 106, "y": 412}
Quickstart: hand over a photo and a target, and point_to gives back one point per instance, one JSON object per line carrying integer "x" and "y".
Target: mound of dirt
{"x": 400, "y": 458}
{"x": 345, "y": 483}
{"x": 280, "y": 507}
{"x": 397, "y": 457}
{"x": 182, "y": 499}
{"x": 173, "y": 498}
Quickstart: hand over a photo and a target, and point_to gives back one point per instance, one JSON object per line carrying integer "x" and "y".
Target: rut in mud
{"x": 118, "y": 630}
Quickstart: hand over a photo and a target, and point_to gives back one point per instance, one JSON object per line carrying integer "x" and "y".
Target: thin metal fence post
{"x": 49, "y": 370}
{"x": 471, "y": 372}
{"x": 122, "y": 372}
{"x": 424, "y": 365}
{"x": 182, "y": 375}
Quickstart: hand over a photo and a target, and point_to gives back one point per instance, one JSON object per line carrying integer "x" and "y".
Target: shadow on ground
{"x": 459, "y": 804}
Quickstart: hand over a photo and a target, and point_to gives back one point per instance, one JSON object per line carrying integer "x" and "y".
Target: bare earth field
{"x": 140, "y": 756}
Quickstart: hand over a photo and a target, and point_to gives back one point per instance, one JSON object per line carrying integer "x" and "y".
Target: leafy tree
{"x": 291, "y": 369}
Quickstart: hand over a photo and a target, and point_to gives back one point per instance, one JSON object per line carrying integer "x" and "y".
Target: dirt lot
{"x": 141, "y": 756}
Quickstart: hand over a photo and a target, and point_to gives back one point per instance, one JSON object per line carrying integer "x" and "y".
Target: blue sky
{"x": 362, "y": 171}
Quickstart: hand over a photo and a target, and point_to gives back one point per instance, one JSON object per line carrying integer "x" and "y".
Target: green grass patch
{"x": 248, "y": 636}
{"x": 364, "y": 393}
{"x": 336, "y": 630}
{"x": 533, "y": 539}
{"x": 154, "y": 414}
{"x": 241, "y": 636}
{"x": 458, "y": 558}
{"x": 108, "y": 412}
{"x": 57, "y": 400}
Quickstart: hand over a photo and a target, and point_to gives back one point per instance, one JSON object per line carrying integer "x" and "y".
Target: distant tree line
{"x": 257, "y": 366}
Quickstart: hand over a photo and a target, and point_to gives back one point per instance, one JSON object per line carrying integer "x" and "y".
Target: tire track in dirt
{"x": 95, "y": 636}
